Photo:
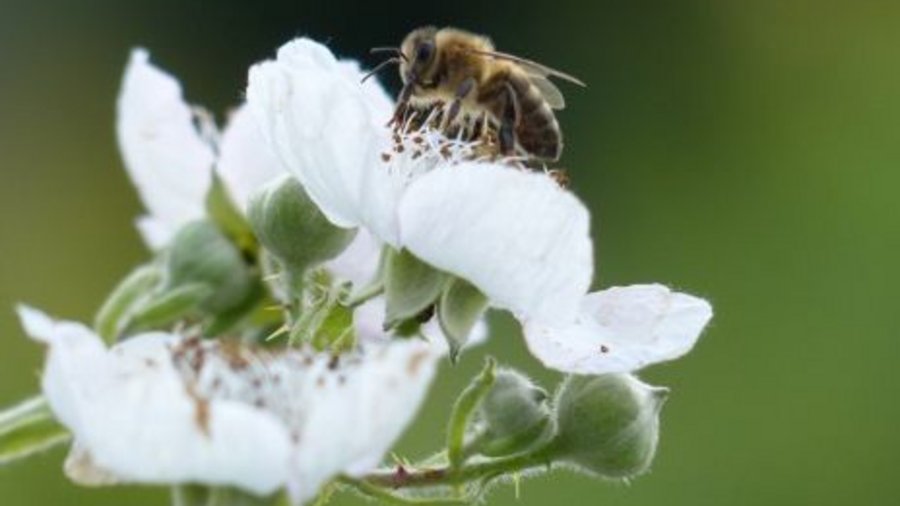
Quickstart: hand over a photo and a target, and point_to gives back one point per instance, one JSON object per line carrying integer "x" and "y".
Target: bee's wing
{"x": 533, "y": 68}
{"x": 549, "y": 91}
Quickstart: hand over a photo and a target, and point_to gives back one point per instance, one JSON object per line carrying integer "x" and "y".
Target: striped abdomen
{"x": 537, "y": 132}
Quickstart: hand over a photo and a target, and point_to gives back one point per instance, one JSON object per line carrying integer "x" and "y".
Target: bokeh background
{"x": 748, "y": 152}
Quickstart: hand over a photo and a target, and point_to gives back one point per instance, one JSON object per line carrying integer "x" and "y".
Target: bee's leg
{"x": 402, "y": 106}
{"x": 461, "y": 93}
{"x": 511, "y": 115}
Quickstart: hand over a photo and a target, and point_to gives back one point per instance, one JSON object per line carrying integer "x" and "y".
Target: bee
{"x": 462, "y": 72}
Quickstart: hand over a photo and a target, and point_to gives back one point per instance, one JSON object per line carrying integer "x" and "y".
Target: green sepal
{"x": 325, "y": 321}
{"x": 460, "y": 308}
{"x": 463, "y": 409}
{"x": 228, "y": 320}
{"x": 27, "y": 429}
{"x": 201, "y": 253}
{"x": 113, "y": 316}
{"x": 410, "y": 287}
{"x": 222, "y": 210}
{"x": 516, "y": 416}
{"x": 168, "y": 307}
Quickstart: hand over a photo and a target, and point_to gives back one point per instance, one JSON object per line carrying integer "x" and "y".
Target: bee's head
{"x": 419, "y": 50}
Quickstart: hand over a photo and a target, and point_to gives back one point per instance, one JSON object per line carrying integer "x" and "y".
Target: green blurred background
{"x": 743, "y": 151}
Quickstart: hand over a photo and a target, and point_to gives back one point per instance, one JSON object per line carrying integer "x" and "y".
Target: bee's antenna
{"x": 386, "y": 49}
{"x": 379, "y": 67}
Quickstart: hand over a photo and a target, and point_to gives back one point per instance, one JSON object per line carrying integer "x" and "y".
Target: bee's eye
{"x": 424, "y": 51}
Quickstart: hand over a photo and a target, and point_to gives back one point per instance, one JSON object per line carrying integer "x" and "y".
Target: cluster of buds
{"x": 310, "y": 269}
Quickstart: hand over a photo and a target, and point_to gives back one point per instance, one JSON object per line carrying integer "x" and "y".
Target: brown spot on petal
{"x": 604, "y": 348}
{"x": 415, "y": 361}
{"x": 201, "y": 411}
{"x": 385, "y": 157}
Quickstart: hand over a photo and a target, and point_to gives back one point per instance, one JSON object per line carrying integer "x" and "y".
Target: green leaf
{"x": 460, "y": 308}
{"x": 27, "y": 429}
{"x": 410, "y": 287}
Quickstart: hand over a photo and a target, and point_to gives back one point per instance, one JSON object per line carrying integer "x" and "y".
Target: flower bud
{"x": 201, "y": 255}
{"x": 608, "y": 425}
{"x": 516, "y": 415}
{"x": 291, "y": 227}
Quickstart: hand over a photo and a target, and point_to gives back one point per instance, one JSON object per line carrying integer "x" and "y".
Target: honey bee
{"x": 462, "y": 71}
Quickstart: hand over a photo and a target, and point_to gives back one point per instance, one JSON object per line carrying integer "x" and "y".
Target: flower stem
{"x": 111, "y": 318}
{"x": 365, "y": 295}
{"x": 444, "y": 476}
{"x": 380, "y": 494}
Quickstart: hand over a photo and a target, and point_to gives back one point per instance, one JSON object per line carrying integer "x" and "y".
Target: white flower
{"x": 622, "y": 329}
{"x": 172, "y": 162}
{"x": 162, "y": 408}
{"x": 515, "y": 235}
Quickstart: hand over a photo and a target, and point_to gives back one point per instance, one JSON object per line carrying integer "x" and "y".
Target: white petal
{"x": 321, "y": 123}
{"x": 155, "y": 232}
{"x": 246, "y": 162}
{"x": 159, "y": 408}
{"x": 515, "y": 235}
{"x": 357, "y": 419}
{"x": 168, "y": 161}
{"x": 358, "y": 263}
{"x": 622, "y": 329}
